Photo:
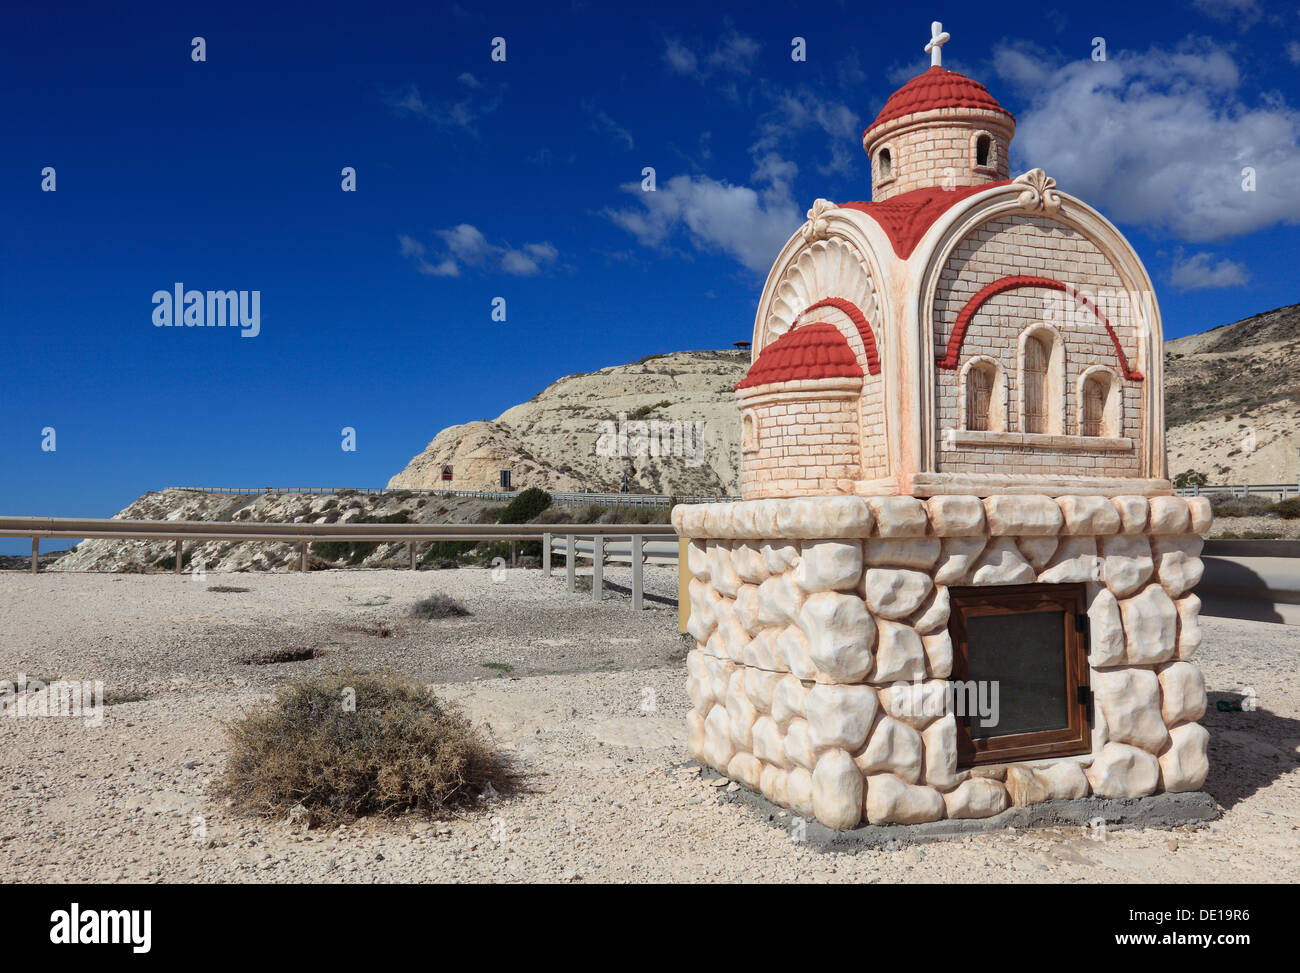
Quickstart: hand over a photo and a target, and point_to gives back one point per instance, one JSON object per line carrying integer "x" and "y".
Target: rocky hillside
{"x": 342, "y": 508}
{"x": 584, "y": 432}
{"x": 1232, "y": 400}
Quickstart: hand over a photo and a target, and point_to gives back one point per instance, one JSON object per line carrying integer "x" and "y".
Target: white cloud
{"x": 734, "y": 54}
{"x": 796, "y": 112}
{"x": 1244, "y": 13}
{"x": 1159, "y": 139}
{"x": 1201, "y": 271}
{"x": 1293, "y": 51}
{"x": 601, "y": 122}
{"x": 746, "y": 224}
{"x": 456, "y": 113}
{"x": 465, "y": 245}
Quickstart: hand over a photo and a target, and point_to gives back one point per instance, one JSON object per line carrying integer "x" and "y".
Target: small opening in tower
{"x": 982, "y": 146}
{"x": 886, "y": 164}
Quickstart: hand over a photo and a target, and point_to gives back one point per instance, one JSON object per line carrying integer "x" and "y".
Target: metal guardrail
{"x": 1244, "y": 490}
{"x": 567, "y": 499}
{"x": 179, "y": 531}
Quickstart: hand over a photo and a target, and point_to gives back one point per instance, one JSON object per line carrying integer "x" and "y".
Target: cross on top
{"x": 935, "y": 48}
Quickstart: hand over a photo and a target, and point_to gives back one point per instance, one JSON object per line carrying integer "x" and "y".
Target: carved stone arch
{"x": 1036, "y": 194}
{"x": 1112, "y": 409}
{"x": 832, "y": 267}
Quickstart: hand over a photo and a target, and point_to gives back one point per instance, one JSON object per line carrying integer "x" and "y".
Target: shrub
{"x": 525, "y": 507}
{"x": 354, "y": 552}
{"x": 1190, "y": 478}
{"x": 1288, "y": 509}
{"x": 397, "y": 748}
{"x": 446, "y": 550}
{"x": 438, "y": 606}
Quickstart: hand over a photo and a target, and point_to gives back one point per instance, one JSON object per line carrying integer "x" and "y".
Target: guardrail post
{"x": 36, "y": 555}
{"x": 302, "y": 557}
{"x": 597, "y": 566}
{"x": 636, "y": 572}
{"x": 178, "y": 555}
{"x": 570, "y": 567}
{"x": 413, "y": 543}
{"x": 513, "y": 559}
{"x": 546, "y": 554}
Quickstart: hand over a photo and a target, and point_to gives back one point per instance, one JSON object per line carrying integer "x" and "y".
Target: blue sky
{"x": 520, "y": 179}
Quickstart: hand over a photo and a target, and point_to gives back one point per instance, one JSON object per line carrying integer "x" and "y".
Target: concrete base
{"x": 1157, "y": 811}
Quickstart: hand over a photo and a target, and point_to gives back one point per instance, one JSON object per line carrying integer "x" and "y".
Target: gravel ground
{"x": 593, "y": 708}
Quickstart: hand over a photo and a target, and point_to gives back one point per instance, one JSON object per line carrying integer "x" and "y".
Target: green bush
{"x": 525, "y": 507}
{"x": 354, "y": 552}
{"x": 1288, "y": 509}
{"x": 350, "y": 744}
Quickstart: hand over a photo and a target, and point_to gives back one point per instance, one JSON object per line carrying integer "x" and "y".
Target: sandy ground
{"x": 592, "y": 706}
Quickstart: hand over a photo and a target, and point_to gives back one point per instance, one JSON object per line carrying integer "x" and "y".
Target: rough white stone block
{"x": 916, "y": 703}
{"x": 893, "y": 747}
{"x": 788, "y": 700}
{"x": 1036, "y": 550}
{"x": 1130, "y": 700}
{"x": 1168, "y": 515}
{"x": 817, "y": 517}
{"x": 1178, "y": 562}
{"x": 1126, "y": 564}
{"x": 1182, "y": 693}
{"x": 938, "y": 654}
{"x": 894, "y": 801}
{"x": 760, "y": 686}
{"x": 732, "y": 632}
{"x": 1105, "y": 631}
{"x": 899, "y": 516}
{"x": 1055, "y": 782}
{"x": 956, "y": 516}
{"x": 722, "y": 575}
{"x": 837, "y": 791}
{"x": 717, "y": 519}
{"x": 744, "y": 521}
{"x": 899, "y": 652}
{"x": 1184, "y": 766}
{"x": 769, "y": 742}
{"x": 747, "y": 769}
{"x": 697, "y": 559}
{"x": 792, "y": 648}
{"x": 764, "y": 651}
{"x": 773, "y": 785}
{"x": 797, "y": 746}
{"x": 894, "y": 592}
{"x": 1075, "y": 560}
{"x": 1120, "y": 770}
{"x": 1189, "y": 626}
{"x": 840, "y": 634}
{"x": 695, "y": 736}
{"x": 957, "y": 559}
{"x": 779, "y": 600}
{"x": 829, "y": 566}
{"x": 1023, "y": 516}
{"x": 798, "y": 788}
{"x": 718, "y": 746}
{"x": 746, "y": 608}
{"x": 840, "y": 716}
{"x": 933, "y": 613}
{"x": 1093, "y": 516}
{"x": 1132, "y": 514}
{"x": 779, "y": 555}
{"x": 1150, "y": 626}
{"x": 1202, "y": 516}
{"x": 704, "y": 602}
{"x": 915, "y": 552}
{"x": 978, "y": 797}
{"x": 747, "y": 559}
{"x": 720, "y": 673}
{"x": 940, "y": 739}
{"x": 1002, "y": 563}
{"x": 741, "y": 713}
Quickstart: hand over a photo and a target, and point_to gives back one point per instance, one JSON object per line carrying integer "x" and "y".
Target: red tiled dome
{"x": 810, "y": 351}
{"x": 937, "y": 88}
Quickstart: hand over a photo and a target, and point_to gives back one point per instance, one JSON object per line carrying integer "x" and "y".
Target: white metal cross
{"x": 935, "y": 48}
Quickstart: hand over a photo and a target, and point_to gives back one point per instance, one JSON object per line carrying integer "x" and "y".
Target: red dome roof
{"x": 937, "y": 88}
{"x": 810, "y": 351}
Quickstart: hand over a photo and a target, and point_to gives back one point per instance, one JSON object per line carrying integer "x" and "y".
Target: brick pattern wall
{"x": 805, "y": 446}
{"x": 1032, "y": 245}
{"x": 923, "y": 156}
{"x": 875, "y": 454}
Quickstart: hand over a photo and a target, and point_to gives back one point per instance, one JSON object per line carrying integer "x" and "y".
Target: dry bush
{"x": 397, "y": 749}
{"x": 438, "y": 606}
{"x": 271, "y": 657}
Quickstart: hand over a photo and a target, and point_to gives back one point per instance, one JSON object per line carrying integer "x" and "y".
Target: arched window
{"x": 983, "y": 395}
{"x": 979, "y": 394}
{"x": 982, "y": 146}
{"x": 1034, "y": 377}
{"x": 749, "y": 432}
{"x": 1099, "y": 405}
{"x": 885, "y": 162}
{"x": 1042, "y": 381}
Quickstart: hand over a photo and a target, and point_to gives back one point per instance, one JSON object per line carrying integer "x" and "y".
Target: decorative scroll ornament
{"x": 827, "y": 268}
{"x": 1040, "y": 191}
{"x": 818, "y": 227}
